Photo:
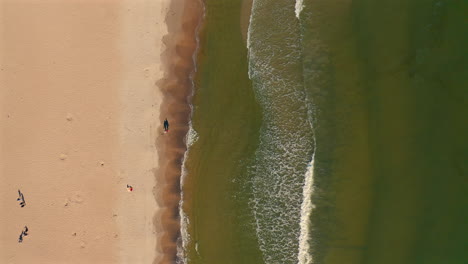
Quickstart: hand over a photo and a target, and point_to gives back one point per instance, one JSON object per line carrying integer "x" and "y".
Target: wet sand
{"x": 79, "y": 120}
{"x": 183, "y": 20}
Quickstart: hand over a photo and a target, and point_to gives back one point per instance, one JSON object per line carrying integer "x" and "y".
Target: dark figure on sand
{"x": 21, "y": 198}
{"x": 23, "y": 233}
{"x": 166, "y": 125}
{"x": 129, "y": 188}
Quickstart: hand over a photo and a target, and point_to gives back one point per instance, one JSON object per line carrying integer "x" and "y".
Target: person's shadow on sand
{"x": 23, "y": 233}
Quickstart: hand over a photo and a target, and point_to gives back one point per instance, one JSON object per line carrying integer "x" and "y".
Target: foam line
{"x": 307, "y": 206}
{"x": 299, "y": 7}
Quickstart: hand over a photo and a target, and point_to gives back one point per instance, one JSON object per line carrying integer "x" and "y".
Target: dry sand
{"x": 79, "y": 118}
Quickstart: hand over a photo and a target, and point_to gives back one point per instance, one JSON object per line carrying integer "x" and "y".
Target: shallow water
{"x": 227, "y": 119}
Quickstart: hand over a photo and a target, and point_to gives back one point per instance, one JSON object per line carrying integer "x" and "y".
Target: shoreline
{"x": 178, "y": 58}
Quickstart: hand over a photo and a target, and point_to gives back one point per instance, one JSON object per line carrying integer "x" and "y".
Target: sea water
{"x": 336, "y": 133}
{"x": 286, "y": 135}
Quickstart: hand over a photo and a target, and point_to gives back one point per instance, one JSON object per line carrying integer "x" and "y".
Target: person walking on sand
{"x": 166, "y": 126}
{"x": 20, "y": 239}
{"x": 25, "y": 231}
{"x": 129, "y": 188}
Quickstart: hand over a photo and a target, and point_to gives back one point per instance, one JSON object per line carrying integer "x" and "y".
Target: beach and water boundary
{"x": 183, "y": 19}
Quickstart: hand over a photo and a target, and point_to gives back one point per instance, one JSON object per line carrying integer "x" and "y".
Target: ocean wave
{"x": 299, "y": 7}
{"x": 190, "y": 139}
{"x": 281, "y": 178}
{"x": 192, "y": 136}
{"x": 307, "y": 206}
{"x": 184, "y": 239}
{"x": 184, "y": 236}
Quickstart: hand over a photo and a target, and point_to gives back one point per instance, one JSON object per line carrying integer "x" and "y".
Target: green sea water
{"x": 393, "y": 126}
{"x": 226, "y": 118}
{"x": 384, "y": 85}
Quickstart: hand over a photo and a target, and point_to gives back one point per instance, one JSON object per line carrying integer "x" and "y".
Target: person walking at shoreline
{"x": 166, "y": 126}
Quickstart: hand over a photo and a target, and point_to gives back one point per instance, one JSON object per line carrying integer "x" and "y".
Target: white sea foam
{"x": 299, "y": 7}
{"x": 192, "y": 136}
{"x": 279, "y": 178}
{"x": 185, "y": 237}
{"x": 307, "y": 206}
{"x": 190, "y": 139}
{"x": 249, "y": 29}
{"x": 281, "y": 158}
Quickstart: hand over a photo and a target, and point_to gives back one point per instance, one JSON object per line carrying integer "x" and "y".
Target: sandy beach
{"x": 79, "y": 120}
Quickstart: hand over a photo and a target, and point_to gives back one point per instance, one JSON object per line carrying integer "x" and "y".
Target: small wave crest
{"x": 299, "y": 7}
{"x": 192, "y": 136}
{"x": 281, "y": 178}
{"x": 184, "y": 236}
{"x": 307, "y": 206}
{"x": 190, "y": 139}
